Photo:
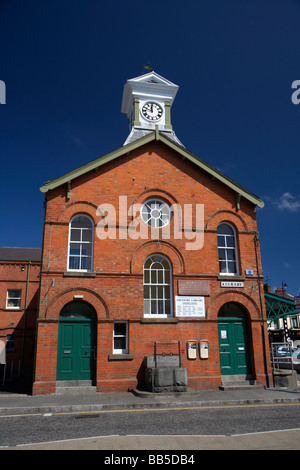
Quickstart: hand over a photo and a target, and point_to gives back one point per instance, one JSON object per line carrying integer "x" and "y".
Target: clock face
{"x": 152, "y": 111}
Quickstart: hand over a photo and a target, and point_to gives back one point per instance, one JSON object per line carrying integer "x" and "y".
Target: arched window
{"x": 81, "y": 243}
{"x": 157, "y": 286}
{"x": 228, "y": 260}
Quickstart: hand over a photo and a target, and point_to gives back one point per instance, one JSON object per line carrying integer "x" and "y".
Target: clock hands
{"x": 152, "y": 111}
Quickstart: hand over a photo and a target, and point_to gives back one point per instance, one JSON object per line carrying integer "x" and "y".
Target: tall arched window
{"x": 157, "y": 286}
{"x": 228, "y": 260}
{"x": 81, "y": 243}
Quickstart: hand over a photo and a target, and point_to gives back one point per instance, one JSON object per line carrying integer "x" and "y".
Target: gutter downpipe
{"x": 256, "y": 241}
{"x": 25, "y": 312}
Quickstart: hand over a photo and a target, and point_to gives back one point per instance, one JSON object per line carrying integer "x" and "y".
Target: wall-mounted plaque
{"x": 198, "y": 287}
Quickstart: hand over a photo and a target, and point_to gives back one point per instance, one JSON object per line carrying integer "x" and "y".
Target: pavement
{"x": 12, "y": 403}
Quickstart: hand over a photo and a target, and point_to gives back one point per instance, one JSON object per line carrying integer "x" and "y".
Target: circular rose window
{"x": 156, "y": 213}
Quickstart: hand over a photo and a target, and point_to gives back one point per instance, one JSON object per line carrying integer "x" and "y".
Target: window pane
{"x": 146, "y": 292}
{"x": 221, "y": 240}
{"x": 87, "y": 235}
{"x": 222, "y": 254}
{"x": 160, "y": 277}
{"x": 75, "y": 234}
{"x": 230, "y": 242}
{"x": 81, "y": 221}
{"x": 167, "y": 292}
{"x": 119, "y": 343}
{"x": 222, "y": 265}
{"x": 153, "y": 277}
{"x": 75, "y": 249}
{"x": 153, "y": 292}
{"x": 146, "y": 307}
{"x": 86, "y": 249}
{"x": 13, "y": 302}
{"x": 74, "y": 262}
{"x": 231, "y": 268}
{"x": 160, "y": 307}
{"x": 16, "y": 293}
{"x": 231, "y": 255}
{"x": 167, "y": 307}
{"x": 148, "y": 263}
{"x": 225, "y": 229}
{"x": 146, "y": 276}
{"x": 153, "y": 307}
{"x": 120, "y": 329}
{"x": 86, "y": 263}
{"x": 160, "y": 292}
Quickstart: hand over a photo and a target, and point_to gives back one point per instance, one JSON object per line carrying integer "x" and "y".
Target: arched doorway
{"x": 234, "y": 340}
{"x": 77, "y": 339}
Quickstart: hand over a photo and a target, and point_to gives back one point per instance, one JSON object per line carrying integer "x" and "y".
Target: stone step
{"x": 75, "y": 387}
{"x": 240, "y": 386}
{"x": 239, "y": 382}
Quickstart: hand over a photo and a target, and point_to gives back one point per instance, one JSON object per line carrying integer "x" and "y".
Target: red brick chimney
{"x": 267, "y": 288}
{"x": 280, "y": 291}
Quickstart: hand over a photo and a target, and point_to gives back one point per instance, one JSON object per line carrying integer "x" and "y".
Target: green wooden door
{"x": 234, "y": 346}
{"x": 76, "y": 349}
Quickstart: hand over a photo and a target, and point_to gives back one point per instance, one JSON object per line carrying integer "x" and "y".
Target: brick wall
{"x": 116, "y": 288}
{"x": 20, "y": 322}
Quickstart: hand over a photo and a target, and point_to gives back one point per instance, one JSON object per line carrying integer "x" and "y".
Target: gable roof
{"x": 155, "y": 136}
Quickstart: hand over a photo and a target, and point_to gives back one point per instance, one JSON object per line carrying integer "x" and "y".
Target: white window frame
{"x": 236, "y": 273}
{"x": 10, "y": 298}
{"x": 159, "y": 202}
{"x": 119, "y": 350}
{"x": 156, "y": 285}
{"x": 81, "y": 243}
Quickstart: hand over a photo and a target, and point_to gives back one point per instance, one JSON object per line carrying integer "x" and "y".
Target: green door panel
{"x": 76, "y": 350}
{"x": 234, "y": 346}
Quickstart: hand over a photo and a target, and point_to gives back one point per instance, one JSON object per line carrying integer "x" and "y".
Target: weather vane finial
{"x": 147, "y": 67}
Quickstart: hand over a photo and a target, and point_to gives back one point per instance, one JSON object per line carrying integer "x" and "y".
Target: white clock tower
{"x": 147, "y": 101}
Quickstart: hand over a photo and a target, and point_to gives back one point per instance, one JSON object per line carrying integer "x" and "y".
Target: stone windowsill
{"x": 120, "y": 357}
{"x": 231, "y": 278}
{"x": 159, "y": 320}
{"x": 79, "y": 274}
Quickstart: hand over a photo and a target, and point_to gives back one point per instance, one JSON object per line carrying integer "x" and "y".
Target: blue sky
{"x": 65, "y": 62}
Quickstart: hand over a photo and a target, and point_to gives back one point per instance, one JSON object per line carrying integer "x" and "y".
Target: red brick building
{"x": 19, "y": 283}
{"x": 120, "y": 272}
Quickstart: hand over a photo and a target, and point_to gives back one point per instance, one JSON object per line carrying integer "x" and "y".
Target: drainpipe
{"x": 25, "y": 312}
{"x": 256, "y": 241}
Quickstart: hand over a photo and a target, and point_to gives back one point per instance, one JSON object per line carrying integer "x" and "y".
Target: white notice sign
{"x": 189, "y": 306}
{"x": 232, "y": 284}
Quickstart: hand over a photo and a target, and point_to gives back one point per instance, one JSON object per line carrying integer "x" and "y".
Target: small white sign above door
{"x": 232, "y": 284}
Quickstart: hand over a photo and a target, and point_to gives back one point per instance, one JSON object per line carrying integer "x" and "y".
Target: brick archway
{"x": 222, "y": 298}
{"x": 156, "y": 246}
{"x": 77, "y": 293}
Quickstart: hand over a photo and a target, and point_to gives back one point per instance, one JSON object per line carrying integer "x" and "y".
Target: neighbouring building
{"x": 283, "y": 315}
{"x": 19, "y": 284}
{"x": 149, "y": 247}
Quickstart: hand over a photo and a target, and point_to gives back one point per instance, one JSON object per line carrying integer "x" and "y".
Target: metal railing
{"x": 282, "y": 356}
{"x": 170, "y": 348}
